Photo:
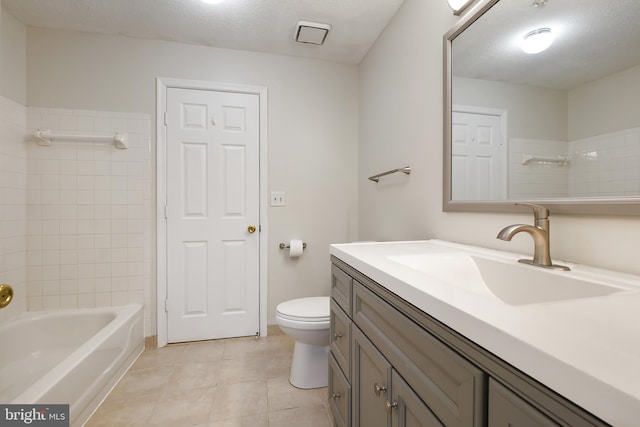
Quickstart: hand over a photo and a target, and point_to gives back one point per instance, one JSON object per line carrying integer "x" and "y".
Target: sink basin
{"x": 512, "y": 282}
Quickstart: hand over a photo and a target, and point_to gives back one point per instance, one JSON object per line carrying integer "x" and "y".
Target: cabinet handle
{"x": 337, "y": 335}
{"x": 335, "y": 396}
{"x": 390, "y": 405}
{"x": 377, "y": 389}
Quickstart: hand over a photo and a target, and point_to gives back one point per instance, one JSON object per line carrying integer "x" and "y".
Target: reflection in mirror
{"x": 558, "y": 125}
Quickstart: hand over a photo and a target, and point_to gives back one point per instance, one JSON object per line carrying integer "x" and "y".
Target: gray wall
{"x": 401, "y": 124}
{"x": 533, "y": 112}
{"x": 312, "y": 128}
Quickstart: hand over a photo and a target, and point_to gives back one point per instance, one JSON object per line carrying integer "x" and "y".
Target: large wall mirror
{"x": 560, "y": 127}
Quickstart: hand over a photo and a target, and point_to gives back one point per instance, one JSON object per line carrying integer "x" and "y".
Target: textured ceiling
{"x": 255, "y": 25}
{"x": 594, "y": 38}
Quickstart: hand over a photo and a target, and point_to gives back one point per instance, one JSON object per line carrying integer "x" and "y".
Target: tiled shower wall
{"x": 88, "y": 207}
{"x": 13, "y": 191}
{"x": 536, "y": 180}
{"x": 602, "y": 165}
{"x": 606, "y": 165}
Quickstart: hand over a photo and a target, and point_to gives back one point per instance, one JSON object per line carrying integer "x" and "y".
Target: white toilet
{"x": 306, "y": 320}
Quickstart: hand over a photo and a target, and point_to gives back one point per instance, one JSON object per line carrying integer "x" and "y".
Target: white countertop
{"x": 587, "y": 350}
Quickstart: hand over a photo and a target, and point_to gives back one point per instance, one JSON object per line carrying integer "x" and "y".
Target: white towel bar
{"x": 528, "y": 159}
{"x": 45, "y": 136}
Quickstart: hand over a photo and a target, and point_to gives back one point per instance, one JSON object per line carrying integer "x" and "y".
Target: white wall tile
{"x": 606, "y": 165}
{"x": 86, "y": 223}
{"x": 14, "y": 193}
{"x": 86, "y": 300}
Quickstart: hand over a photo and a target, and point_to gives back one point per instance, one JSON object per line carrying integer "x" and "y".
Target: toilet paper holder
{"x": 284, "y": 246}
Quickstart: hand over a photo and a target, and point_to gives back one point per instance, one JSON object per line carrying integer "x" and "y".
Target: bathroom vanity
{"x": 411, "y": 348}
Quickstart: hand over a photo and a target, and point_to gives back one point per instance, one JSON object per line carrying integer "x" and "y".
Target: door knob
{"x": 6, "y": 295}
{"x": 251, "y": 229}
{"x": 377, "y": 389}
{"x": 390, "y": 405}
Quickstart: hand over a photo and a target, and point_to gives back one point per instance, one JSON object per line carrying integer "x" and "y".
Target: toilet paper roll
{"x": 295, "y": 248}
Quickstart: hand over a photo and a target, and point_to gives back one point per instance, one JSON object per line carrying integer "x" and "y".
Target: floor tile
{"x": 244, "y": 347}
{"x": 201, "y": 352}
{"x": 148, "y": 381}
{"x": 239, "y": 382}
{"x": 158, "y": 358}
{"x": 283, "y": 396}
{"x": 186, "y": 408}
{"x": 251, "y": 421}
{"x": 243, "y": 369}
{"x": 192, "y": 376}
{"x": 239, "y": 399}
{"x": 117, "y": 413}
{"x": 310, "y": 416}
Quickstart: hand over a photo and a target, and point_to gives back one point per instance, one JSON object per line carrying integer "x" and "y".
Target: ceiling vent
{"x": 311, "y": 32}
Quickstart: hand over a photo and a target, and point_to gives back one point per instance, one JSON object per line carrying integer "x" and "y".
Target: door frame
{"x": 162, "y": 84}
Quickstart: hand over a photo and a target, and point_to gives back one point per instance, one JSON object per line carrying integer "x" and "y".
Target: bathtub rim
{"x": 123, "y": 314}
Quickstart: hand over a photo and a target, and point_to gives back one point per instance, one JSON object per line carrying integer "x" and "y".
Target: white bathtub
{"x": 71, "y": 357}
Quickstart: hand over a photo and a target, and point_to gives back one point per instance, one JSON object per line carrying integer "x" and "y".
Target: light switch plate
{"x": 278, "y": 199}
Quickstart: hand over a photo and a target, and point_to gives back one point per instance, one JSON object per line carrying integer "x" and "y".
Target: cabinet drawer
{"x": 507, "y": 409}
{"x": 339, "y": 394}
{"x": 340, "y": 337}
{"x": 341, "y": 288}
{"x": 450, "y": 385}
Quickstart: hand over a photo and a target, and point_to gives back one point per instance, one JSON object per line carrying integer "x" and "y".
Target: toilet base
{"x": 310, "y": 366}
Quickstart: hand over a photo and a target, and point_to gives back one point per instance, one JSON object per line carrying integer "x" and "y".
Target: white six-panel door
{"x": 213, "y": 206}
{"x": 479, "y": 157}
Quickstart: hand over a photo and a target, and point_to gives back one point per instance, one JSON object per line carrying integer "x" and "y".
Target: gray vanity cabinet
{"x": 340, "y": 348}
{"x": 340, "y": 337}
{"x": 451, "y": 387}
{"x": 393, "y": 365}
{"x": 393, "y": 372}
{"x": 341, "y": 288}
{"x": 339, "y": 394}
{"x": 371, "y": 381}
{"x": 410, "y": 410}
{"x": 506, "y": 409}
{"x": 382, "y": 397}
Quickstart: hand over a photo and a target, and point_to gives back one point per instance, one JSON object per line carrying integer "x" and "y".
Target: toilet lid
{"x": 313, "y": 309}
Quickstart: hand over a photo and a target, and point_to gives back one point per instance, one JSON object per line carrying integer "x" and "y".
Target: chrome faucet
{"x": 540, "y": 234}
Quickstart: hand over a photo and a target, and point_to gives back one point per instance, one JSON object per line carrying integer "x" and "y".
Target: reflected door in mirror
{"x": 478, "y": 156}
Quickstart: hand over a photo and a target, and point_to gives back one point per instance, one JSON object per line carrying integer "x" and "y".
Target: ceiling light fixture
{"x": 537, "y": 40}
{"x": 211, "y": 1}
{"x": 459, "y": 5}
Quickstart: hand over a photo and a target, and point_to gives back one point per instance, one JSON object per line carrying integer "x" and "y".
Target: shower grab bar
{"x": 405, "y": 170}
{"x": 45, "y": 136}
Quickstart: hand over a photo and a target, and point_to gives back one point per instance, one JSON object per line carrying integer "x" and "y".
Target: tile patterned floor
{"x": 240, "y": 382}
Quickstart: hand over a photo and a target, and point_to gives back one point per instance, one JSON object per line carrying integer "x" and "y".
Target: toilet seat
{"x": 313, "y": 309}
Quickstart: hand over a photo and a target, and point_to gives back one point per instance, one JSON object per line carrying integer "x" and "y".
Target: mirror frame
{"x": 578, "y": 206}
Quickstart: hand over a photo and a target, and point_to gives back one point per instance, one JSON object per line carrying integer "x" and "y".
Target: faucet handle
{"x": 539, "y": 212}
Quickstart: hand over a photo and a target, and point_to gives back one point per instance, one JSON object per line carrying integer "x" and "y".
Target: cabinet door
{"x": 339, "y": 395}
{"x": 370, "y": 381}
{"x": 506, "y": 409}
{"x": 451, "y": 385}
{"x": 407, "y": 410}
